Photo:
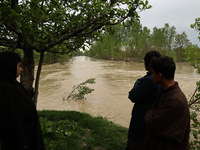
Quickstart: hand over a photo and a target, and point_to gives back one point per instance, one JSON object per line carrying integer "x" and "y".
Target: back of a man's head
{"x": 164, "y": 65}
{"x": 149, "y": 55}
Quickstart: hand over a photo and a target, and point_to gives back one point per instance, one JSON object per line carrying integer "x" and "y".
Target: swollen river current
{"x": 114, "y": 79}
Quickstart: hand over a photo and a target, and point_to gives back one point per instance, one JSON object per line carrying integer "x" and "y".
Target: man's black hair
{"x": 164, "y": 65}
{"x": 149, "y": 55}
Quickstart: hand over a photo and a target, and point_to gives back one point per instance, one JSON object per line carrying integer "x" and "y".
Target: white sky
{"x": 178, "y": 13}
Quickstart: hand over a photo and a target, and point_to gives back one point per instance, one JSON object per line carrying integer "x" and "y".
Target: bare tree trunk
{"x": 38, "y": 78}
{"x": 27, "y": 75}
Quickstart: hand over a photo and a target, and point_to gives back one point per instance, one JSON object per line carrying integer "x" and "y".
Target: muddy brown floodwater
{"x": 114, "y": 79}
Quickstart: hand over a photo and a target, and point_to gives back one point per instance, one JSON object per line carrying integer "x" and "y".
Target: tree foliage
{"x": 45, "y": 25}
{"x": 42, "y": 24}
{"x": 194, "y": 102}
{"x": 79, "y": 91}
{"x": 196, "y": 26}
{"x": 193, "y": 53}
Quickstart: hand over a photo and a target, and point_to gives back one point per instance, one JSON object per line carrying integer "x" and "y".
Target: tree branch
{"x": 8, "y": 43}
{"x": 13, "y": 28}
{"x": 192, "y": 99}
{"x": 80, "y": 31}
{"x": 76, "y": 32}
{"x": 56, "y": 52}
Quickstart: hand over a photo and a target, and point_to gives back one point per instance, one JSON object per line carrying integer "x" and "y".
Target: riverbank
{"x": 121, "y": 59}
{"x": 71, "y": 130}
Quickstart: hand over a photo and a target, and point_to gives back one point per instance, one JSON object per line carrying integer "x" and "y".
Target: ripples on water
{"x": 114, "y": 79}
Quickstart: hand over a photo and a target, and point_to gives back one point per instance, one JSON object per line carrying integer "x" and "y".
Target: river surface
{"x": 114, "y": 79}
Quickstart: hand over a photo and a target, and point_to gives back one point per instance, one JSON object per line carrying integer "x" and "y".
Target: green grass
{"x": 70, "y": 130}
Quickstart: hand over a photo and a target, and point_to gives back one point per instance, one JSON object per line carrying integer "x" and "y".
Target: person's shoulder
{"x": 176, "y": 90}
{"x": 147, "y": 79}
{"x": 5, "y": 85}
{"x": 5, "y": 88}
{"x": 143, "y": 79}
{"x": 177, "y": 96}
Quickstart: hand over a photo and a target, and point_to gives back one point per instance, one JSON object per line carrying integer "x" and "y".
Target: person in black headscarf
{"x": 19, "y": 124}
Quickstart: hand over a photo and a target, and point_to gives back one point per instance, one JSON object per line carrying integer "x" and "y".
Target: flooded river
{"x": 114, "y": 79}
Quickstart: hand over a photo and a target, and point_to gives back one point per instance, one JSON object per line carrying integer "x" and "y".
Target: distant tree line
{"x": 132, "y": 42}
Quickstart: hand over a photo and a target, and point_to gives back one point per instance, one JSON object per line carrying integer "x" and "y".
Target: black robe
{"x": 19, "y": 123}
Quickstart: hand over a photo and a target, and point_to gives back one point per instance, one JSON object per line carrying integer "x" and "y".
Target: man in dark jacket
{"x": 19, "y": 123}
{"x": 168, "y": 119}
{"x": 142, "y": 94}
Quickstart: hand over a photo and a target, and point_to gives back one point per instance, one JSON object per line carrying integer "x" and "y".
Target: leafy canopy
{"x": 42, "y": 24}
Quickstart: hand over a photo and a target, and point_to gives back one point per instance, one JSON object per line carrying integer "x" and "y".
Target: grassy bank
{"x": 70, "y": 130}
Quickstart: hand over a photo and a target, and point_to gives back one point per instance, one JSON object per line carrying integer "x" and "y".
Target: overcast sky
{"x": 178, "y": 13}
